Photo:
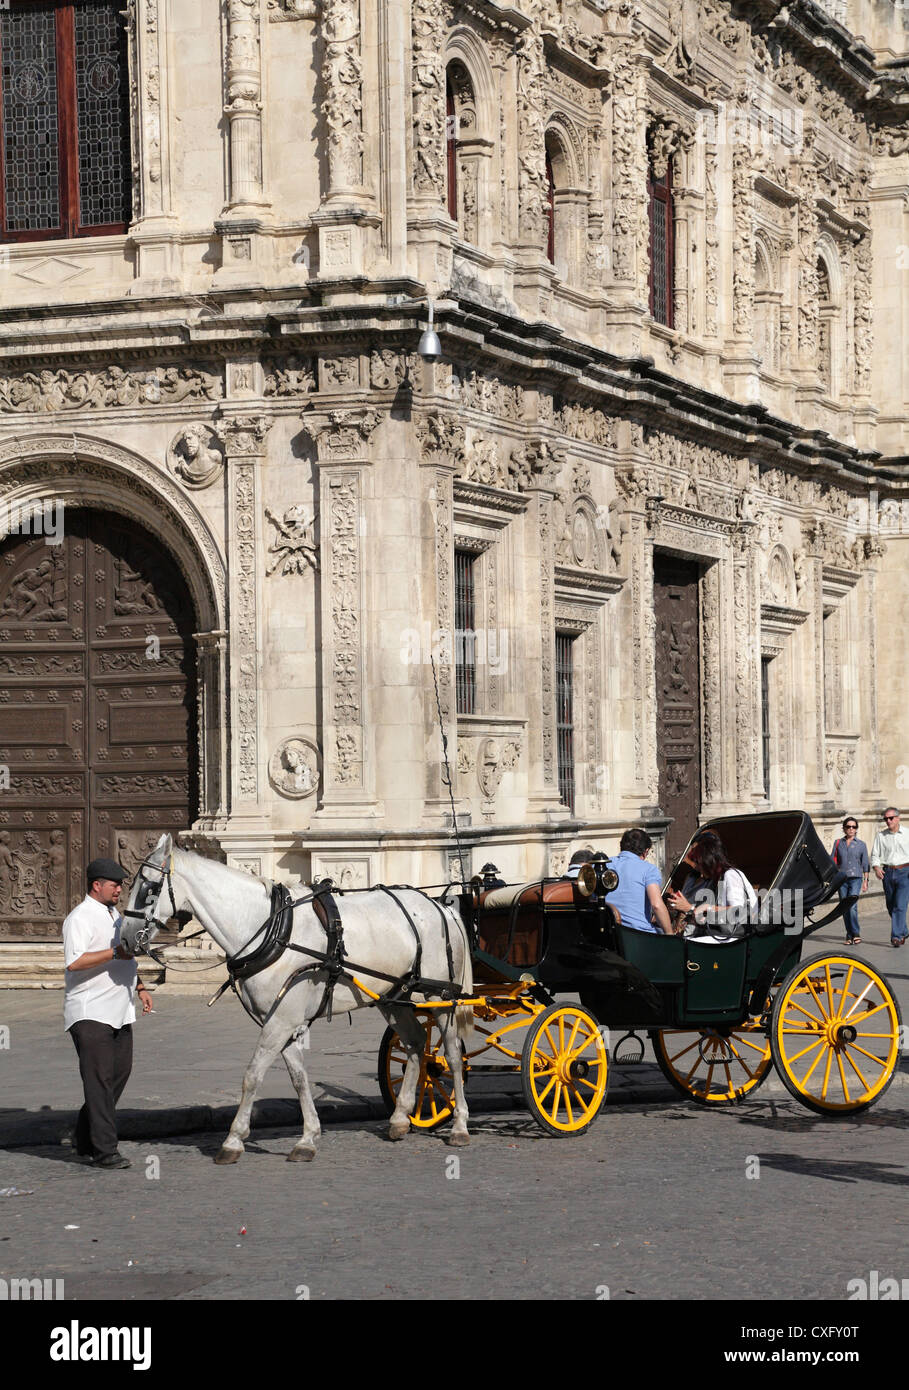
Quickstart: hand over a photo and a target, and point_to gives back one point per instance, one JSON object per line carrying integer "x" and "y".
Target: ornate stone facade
{"x": 238, "y": 374}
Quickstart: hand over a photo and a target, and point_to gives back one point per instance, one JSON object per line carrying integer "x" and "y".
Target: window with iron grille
{"x": 451, "y": 150}
{"x": 465, "y": 630}
{"x": 550, "y": 210}
{"x": 565, "y": 716}
{"x": 662, "y": 237}
{"x": 765, "y": 721}
{"x": 64, "y": 120}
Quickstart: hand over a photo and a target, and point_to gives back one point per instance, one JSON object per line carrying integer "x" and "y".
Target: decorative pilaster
{"x": 153, "y": 229}
{"x": 429, "y": 100}
{"x": 863, "y": 305}
{"x": 742, "y": 244}
{"x": 712, "y": 242}
{"x": 342, "y": 438}
{"x": 630, "y": 228}
{"x": 807, "y": 251}
{"x": 243, "y": 437}
{"x": 533, "y": 189}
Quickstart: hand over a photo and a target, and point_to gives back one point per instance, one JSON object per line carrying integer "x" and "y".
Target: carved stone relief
{"x": 106, "y": 389}
{"x": 293, "y": 768}
{"x": 294, "y": 548}
{"x": 195, "y": 455}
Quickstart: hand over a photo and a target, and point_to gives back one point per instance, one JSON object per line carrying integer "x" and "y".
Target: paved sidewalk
{"x": 190, "y": 1060}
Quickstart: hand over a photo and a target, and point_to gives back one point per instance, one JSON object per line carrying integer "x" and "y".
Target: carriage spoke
{"x": 558, "y": 1101}
{"x": 818, "y": 1042}
{"x": 543, "y": 1094}
{"x": 842, "y": 1072}
{"x": 677, "y": 1055}
{"x": 567, "y": 1091}
{"x": 827, "y": 1074}
{"x": 807, "y": 1077}
{"x": 856, "y": 1070}
{"x": 846, "y": 983}
{"x": 881, "y": 1061}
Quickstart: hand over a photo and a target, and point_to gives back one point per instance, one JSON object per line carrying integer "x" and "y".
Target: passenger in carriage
{"x": 638, "y": 896}
{"x": 717, "y": 899}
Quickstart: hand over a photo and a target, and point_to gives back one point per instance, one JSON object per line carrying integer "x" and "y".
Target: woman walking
{"x": 851, "y": 855}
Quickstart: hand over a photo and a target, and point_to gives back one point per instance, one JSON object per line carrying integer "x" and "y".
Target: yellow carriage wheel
{"x": 435, "y": 1091}
{"x": 714, "y": 1066}
{"x": 564, "y": 1069}
{"x": 835, "y": 1034}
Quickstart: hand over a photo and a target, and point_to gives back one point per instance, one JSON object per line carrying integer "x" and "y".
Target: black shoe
{"x": 112, "y": 1161}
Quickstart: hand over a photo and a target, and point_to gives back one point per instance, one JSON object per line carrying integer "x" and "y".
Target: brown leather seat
{"x": 510, "y": 920}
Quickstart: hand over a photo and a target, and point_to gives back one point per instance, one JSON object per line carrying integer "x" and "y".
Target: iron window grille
{"x": 64, "y": 120}
{"x": 565, "y": 717}
{"x": 465, "y": 629}
{"x": 662, "y": 238}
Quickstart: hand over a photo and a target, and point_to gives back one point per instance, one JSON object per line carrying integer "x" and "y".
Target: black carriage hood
{"x": 775, "y": 850}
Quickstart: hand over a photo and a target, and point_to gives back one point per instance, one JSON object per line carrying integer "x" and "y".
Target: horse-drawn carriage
{"x": 502, "y": 959}
{"x": 719, "y": 1014}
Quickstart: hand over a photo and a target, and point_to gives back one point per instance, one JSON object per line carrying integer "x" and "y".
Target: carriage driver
{"x": 98, "y": 1011}
{"x": 638, "y": 896}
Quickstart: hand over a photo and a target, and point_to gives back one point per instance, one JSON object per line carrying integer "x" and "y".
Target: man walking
{"x": 890, "y": 861}
{"x": 98, "y": 1009}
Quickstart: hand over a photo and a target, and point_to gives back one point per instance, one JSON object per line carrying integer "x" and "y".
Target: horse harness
{"x": 275, "y": 933}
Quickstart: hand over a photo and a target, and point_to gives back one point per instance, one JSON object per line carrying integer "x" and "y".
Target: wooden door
{"x": 97, "y": 712}
{"x": 675, "y": 597}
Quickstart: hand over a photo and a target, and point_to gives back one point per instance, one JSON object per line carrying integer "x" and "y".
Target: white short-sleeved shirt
{"x": 105, "y": 993}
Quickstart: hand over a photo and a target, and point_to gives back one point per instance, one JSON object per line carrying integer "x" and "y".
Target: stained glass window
{"x": 64, "y": 133}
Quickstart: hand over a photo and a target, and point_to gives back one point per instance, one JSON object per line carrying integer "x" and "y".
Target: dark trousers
{"x": 105, "y": 1062}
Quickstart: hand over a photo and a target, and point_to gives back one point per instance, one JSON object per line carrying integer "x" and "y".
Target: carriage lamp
{"x": 587, "y": 880}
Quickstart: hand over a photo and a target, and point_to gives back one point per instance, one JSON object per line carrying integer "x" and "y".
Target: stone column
{"x": 211, "y": 648}
{"x": 243, "y": 437}
{"x": 813, "y": 535}
{"x": 347, "y": 210}
{"x": 242, "y": 219}
{"x": 342, "y": 438}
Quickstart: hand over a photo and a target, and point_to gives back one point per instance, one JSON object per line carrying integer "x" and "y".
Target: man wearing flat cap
{"x": 98, "y": 1009}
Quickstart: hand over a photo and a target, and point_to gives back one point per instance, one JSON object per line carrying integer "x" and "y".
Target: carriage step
{"x": 633, "y": 1054}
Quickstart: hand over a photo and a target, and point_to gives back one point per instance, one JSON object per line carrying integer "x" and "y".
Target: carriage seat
{"x": 510, "y": 920}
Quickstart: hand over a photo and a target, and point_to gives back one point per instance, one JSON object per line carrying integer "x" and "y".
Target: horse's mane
{"x": 239, "y": 874}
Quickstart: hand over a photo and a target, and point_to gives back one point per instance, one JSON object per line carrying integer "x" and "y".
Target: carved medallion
{"x": 294, "y": 768}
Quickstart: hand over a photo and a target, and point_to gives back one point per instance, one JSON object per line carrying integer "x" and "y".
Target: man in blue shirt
{"x": 638, "y": 897}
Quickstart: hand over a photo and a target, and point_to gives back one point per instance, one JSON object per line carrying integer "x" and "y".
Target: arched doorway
{"x": 97, "y": 710}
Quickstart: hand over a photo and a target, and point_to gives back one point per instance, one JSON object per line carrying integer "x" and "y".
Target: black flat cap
{"x": 105, "y": 868}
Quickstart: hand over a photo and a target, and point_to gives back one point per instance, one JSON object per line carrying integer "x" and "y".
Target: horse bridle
{"x": 147, "y": 901}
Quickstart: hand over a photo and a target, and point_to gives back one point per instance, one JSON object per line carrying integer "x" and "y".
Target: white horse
{"x": 232, "y": 905}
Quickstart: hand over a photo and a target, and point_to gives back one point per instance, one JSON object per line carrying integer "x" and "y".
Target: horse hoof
{"x": 301, "y": 1153}
{"x": 399, "y": 1131}
{"x": 228, "y": 1156}
{"x": 458, "y": 1140}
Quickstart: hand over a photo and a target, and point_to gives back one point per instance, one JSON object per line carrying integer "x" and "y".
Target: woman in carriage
{"x": 716, "y": 899}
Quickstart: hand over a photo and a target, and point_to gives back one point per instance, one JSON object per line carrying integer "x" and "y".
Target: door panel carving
{"x": 675, "y": 594}
{"x": 97, "y": 721}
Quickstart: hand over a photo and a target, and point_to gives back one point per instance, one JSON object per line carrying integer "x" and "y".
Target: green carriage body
{"x": 578, "y": 947}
